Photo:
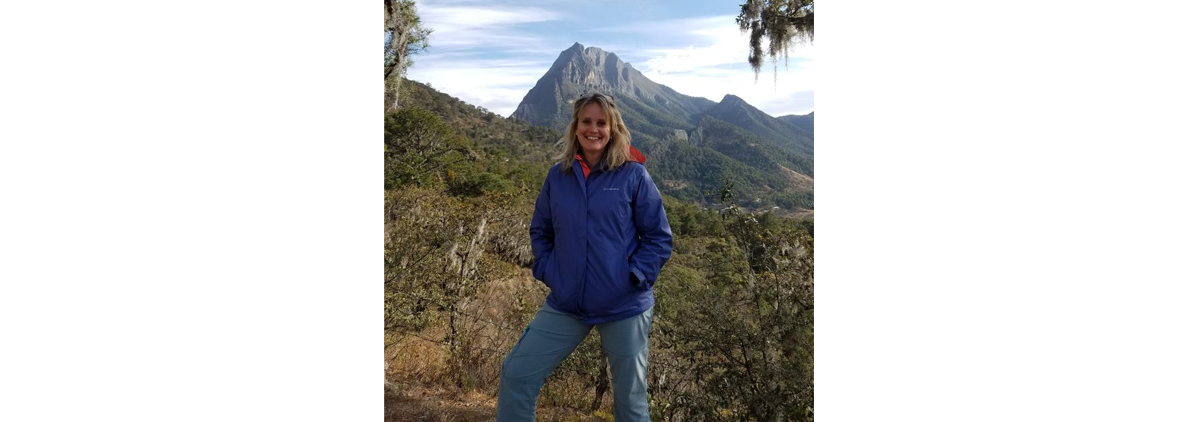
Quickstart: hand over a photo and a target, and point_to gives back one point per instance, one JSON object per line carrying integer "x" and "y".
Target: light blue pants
{"x": 550, "y": 338}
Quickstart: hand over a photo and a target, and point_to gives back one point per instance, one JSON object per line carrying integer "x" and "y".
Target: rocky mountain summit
{"x": 580, "y": 70}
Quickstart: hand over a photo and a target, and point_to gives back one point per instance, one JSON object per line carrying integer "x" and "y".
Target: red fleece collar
{"x": 634, "y": 155}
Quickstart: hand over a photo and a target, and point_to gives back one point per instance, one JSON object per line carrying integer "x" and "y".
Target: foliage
{"x": 689, "y": 220}
{"x": 501, "y": 138}
{"x": 782, "y": 22}
{"x": 419, "y": 224}
{"x": 417, "y": 147}
{"x": 711, "y": 169}
{"x": 403, "y": 36}
{"x": 735, "y": 334}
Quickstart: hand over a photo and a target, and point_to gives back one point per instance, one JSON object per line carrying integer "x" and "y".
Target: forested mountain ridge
{"x": 804, "y": 122}
{"x": 736, "y": 111}
{"x": 717, "y": 154}
{"x": 690, "y": 163}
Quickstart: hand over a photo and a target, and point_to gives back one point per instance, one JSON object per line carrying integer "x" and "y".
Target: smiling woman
{"x": 599, "y": 237}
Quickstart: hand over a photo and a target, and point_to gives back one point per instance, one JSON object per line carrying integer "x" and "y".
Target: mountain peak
{"x": 738, "y": 112}
{"x": 579, "y": 70}
{"x": 731, "y": 99}
{"x": 575, "y": 50}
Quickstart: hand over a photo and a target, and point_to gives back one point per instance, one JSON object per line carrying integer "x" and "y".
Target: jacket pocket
{"x": 539, "y": 267}
{"x": 545, "y": 269}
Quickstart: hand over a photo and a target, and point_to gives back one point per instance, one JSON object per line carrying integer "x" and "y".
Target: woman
{"x": 600, "y": 237}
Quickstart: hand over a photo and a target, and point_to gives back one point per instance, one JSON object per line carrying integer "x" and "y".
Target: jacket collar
{"x": 634, "y": 155}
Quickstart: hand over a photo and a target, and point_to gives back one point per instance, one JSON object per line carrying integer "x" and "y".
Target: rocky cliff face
{"x": 579, "y": 70}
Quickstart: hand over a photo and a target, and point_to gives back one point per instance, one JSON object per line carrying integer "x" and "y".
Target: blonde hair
{"x": 616, "y": 153}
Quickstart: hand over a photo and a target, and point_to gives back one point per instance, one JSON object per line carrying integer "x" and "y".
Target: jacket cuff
{"x": 644, "y": 284}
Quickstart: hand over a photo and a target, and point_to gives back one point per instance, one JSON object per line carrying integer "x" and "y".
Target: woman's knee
{"x": 516, "y": 369}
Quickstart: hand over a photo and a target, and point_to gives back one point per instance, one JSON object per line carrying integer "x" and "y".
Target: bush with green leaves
{"x": 734, "y": 332}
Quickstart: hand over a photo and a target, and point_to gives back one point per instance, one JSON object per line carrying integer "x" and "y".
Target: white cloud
{"x": 696, "y": 56}
{"x": 715, "y": 41}
{"x": 668, "y": 26}
{"x": 476, "y": 25}
{"x": 715, "y": 65}
{"x": 495, "y": 84}
{"x": 767, "y": 95}
{"x": 480, "y": 17}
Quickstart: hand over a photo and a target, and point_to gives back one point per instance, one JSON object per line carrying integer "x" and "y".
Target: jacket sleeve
{"x": 655, "y": 240}
{"x": 541, "y": 230}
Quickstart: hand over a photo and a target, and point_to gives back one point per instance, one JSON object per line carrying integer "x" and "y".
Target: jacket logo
{"x": 616, "y": 189}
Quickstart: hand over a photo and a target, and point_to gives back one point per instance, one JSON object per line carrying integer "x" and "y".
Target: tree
{"x": 734, "y": 319}
{"x": 403, "y": 36}
{"x": 783, "y": 22}
{"x": 418, "y": 146}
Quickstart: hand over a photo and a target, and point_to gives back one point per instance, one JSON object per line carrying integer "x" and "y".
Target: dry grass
{"x": 799, "y": 181}
{"x": 430, "y": 385}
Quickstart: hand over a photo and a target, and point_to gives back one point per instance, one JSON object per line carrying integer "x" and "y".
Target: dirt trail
{"x": 434, "y": 406}
{"x": 420, "y": 404}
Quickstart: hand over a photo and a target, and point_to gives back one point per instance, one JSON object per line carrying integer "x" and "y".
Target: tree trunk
{"x": 601, "y": 384}
{"x": 394, "y": 22}
{"x": 453, "y": 327}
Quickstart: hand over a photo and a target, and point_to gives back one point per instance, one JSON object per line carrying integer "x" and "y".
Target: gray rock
{"x": 580, "y": 70}
{"x": 680, "y": 134}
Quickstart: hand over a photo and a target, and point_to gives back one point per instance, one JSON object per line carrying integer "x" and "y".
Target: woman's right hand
{"x": 540, "y": 266}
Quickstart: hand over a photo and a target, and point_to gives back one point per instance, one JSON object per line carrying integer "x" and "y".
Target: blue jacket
{"x": 589, "y": 234}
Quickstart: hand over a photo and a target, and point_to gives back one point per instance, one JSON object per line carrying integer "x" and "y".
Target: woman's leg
{"x": 547, "y": 341}
{"x": 626, "y": 344}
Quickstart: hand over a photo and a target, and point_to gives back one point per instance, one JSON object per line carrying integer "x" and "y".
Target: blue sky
{"x": 490, "y": 53}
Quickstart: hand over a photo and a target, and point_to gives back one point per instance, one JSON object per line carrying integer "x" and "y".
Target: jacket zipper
{"x": 586, "y": 224}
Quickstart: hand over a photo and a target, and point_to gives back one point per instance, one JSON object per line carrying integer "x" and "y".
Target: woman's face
{"x": 592, "y": 129}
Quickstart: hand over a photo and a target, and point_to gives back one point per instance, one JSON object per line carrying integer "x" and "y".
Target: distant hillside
{"x": 804, "y": 122}
{"x": 496, "y": 135}
{"x": 696, "y": 168}
{"x": 746, "y": 147}
{"x": 736, "y": 111}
